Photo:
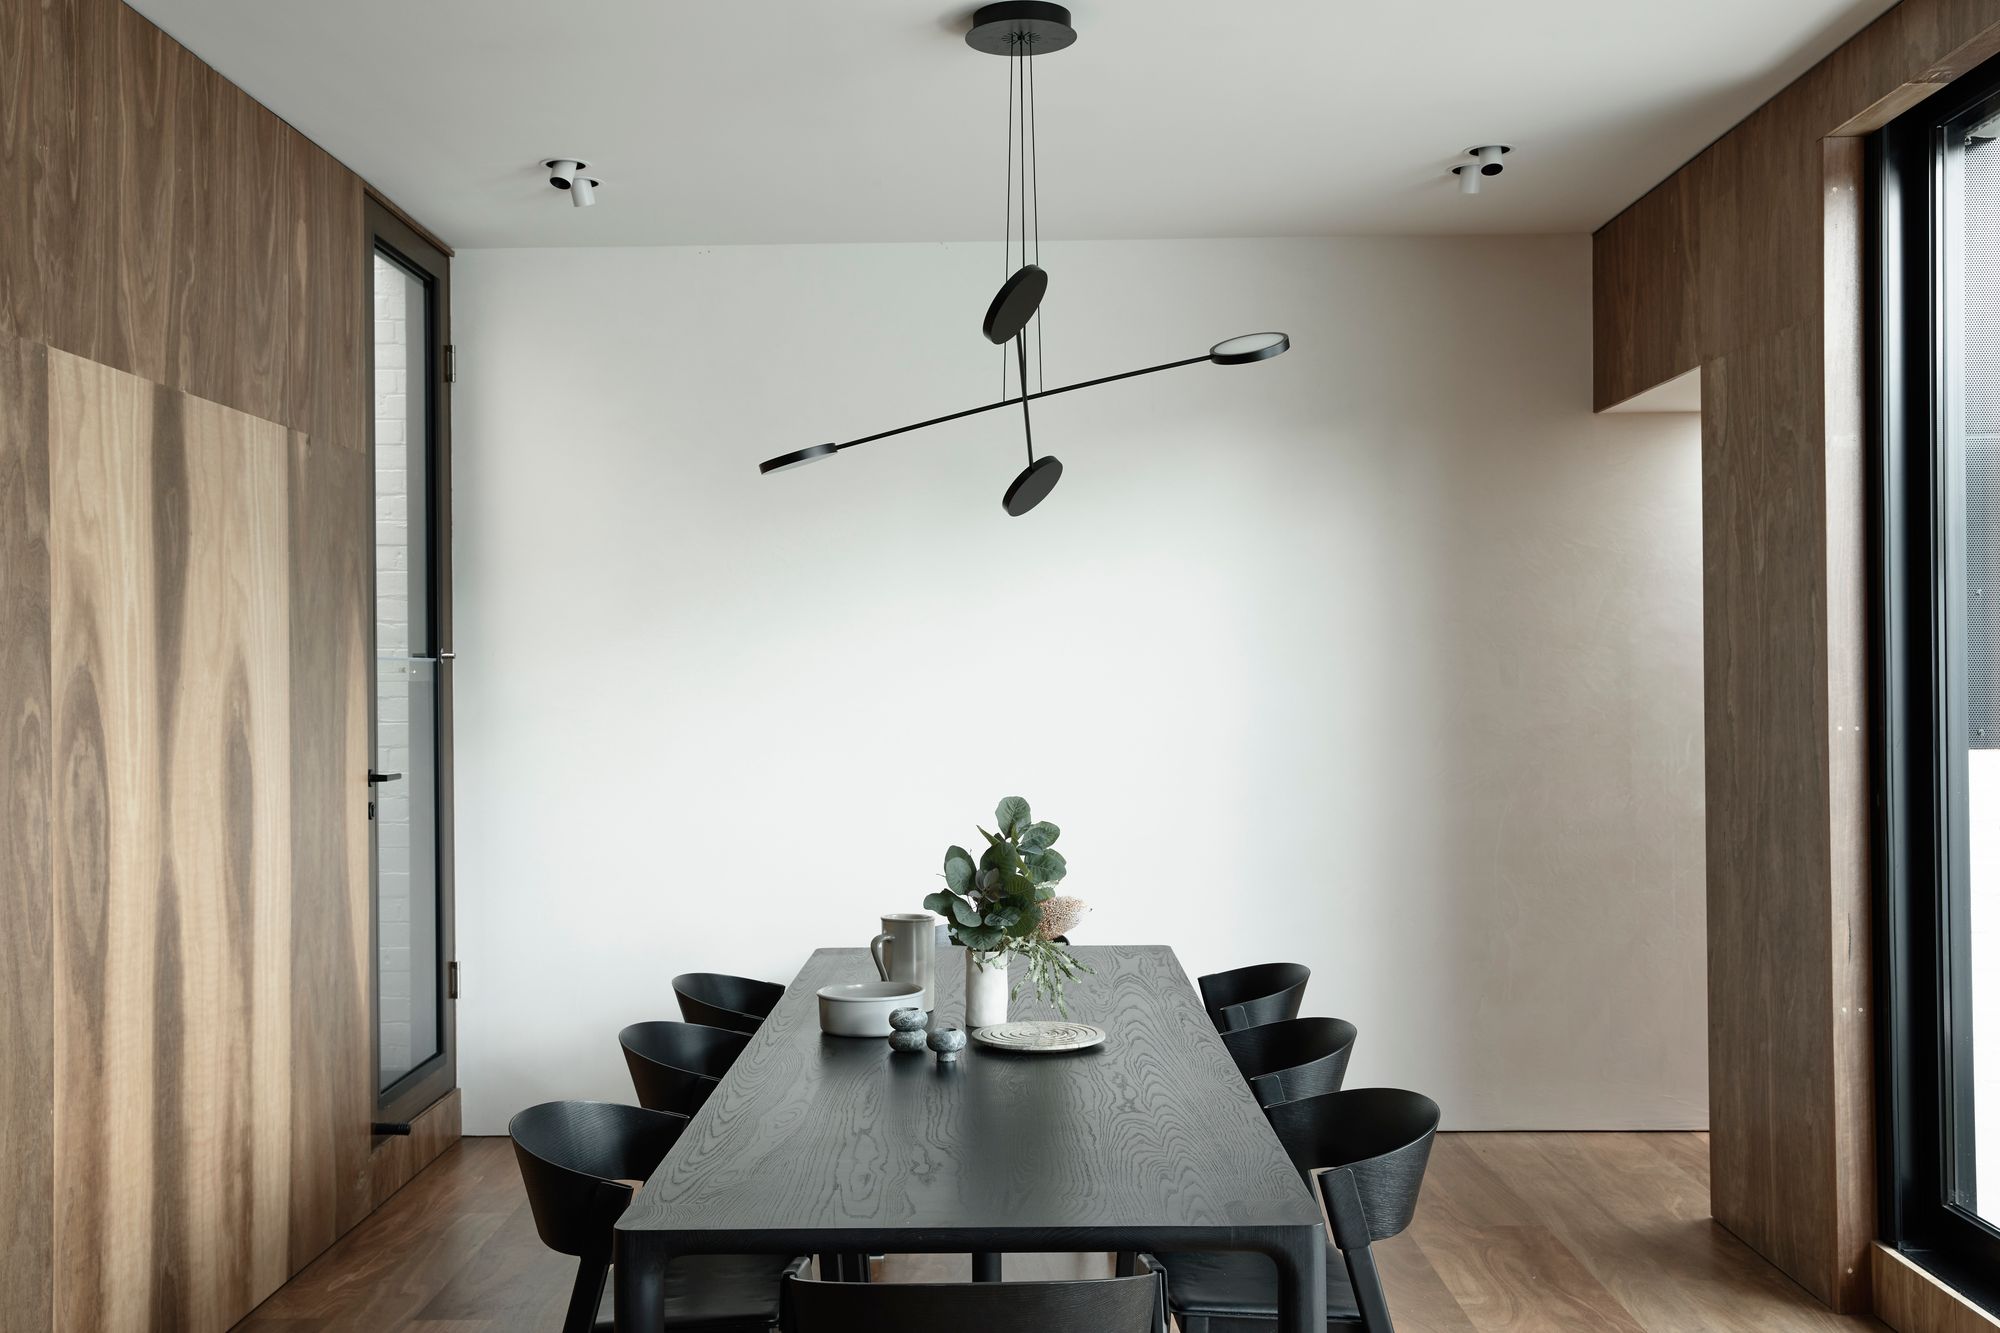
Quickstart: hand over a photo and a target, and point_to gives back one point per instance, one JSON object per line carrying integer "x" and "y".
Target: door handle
{"x": 374, "y": 777}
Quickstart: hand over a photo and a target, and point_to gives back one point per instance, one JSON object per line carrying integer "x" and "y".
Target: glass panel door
{"x": 409, "y": 775}
{"x": 1968, "y": 549}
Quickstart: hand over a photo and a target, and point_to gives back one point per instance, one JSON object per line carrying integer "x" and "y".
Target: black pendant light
{"x": 1021, "y": 30}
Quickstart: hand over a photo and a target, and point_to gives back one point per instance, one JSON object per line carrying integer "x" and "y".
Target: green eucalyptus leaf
{"x": 940, "y": 903}
{"x": 1046, "y": 867}
{"x": 1004, "y": 917}
{"x": 1038, "y": 837}
{"x": 989, "y": 880}
{"x": 1012, "y": 813}
{"x": 964, "y": 912}
{"x": 1044, "y": 892}
{"x": 996, "y": 857}
{"x": 982, "y": 939}
{"x": 958, "y": 870}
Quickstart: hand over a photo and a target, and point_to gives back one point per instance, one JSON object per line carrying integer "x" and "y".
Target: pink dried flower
{"x": 1059, "y": 916}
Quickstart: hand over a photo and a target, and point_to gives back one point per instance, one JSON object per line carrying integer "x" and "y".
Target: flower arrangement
{"x": 1005, "y": 902}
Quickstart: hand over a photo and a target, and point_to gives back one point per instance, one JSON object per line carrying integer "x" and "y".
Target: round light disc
{"x": 1249, "y": 347}
{"x": 798, "y": 458}
{"x": 1032, "y": 486}
{"x": 1015, "y": 303}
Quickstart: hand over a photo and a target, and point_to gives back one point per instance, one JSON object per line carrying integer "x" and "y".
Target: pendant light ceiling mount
{"x": 1003, "y": 29}
{"x": 1022, "y": 30}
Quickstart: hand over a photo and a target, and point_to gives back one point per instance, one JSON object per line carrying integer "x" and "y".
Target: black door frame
{"x": 1921, "y": 881}
{"x": 437, "y": 1076}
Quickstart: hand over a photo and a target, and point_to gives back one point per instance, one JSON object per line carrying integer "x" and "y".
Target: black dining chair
{"x": 577, "y": 1159}
{"x": 1134, "y": 1304}
{"x": 1367, "y": 1149}
{"x": 675, "y": 1066}
{"x": 1292, "y": 1058}
{"x": 1243, "y": 997}
{"x": 718, "y": 1000}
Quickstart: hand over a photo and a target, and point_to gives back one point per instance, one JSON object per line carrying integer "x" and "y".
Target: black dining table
{"x": 813, "y": 1144}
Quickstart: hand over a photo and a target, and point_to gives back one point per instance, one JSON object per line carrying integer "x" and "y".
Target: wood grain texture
{"x": 1154, "y": 1130}
{"x": 184, "y": 560}
{"x": 1850, "y": 937}
{"x": 1910, "y": 1300}
{"x": 397, "y": 1160}
{"x": 1515, "y": 1232}
{"x": 204, "y": 621}
{"x": 156, "y": 219}
{"x": 333, "y": 1074}
{"x": 1747, "y": 263}
{"x": 172, "y": 952}
{"x": 27, "y": 1018}
{"x": 1728, "y": 248}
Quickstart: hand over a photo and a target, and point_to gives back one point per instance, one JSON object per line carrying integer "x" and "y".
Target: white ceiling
{"x": 745, "y": 121}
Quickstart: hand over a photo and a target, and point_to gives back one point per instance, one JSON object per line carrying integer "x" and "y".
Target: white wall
{"x": 1383, "y": 656}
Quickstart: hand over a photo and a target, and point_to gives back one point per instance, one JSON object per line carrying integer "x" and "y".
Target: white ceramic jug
{"x": 906, "y": 950}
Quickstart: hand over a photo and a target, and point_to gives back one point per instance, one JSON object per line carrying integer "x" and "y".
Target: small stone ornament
{"x": 906, "y": 1029}
{"x": 947, "y": 1042}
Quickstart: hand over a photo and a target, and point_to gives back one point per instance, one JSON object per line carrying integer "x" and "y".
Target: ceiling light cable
{"x": 1015, "y": 28}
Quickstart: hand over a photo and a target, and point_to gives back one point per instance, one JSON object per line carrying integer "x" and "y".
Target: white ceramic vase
{"x": 985, "y": 988}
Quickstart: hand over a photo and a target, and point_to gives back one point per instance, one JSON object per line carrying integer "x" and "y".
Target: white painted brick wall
{"x": 392, "y": 640}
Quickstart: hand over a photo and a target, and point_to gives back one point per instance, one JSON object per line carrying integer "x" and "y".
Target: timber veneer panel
{"x": 1746, "y": 263}
{"x": 186, "y": 1053}
{"x": 333, "y": 1066}
{"x": 170, "y": 617}
{"x": 158, "y": 220}
{"x": 27, "y": 1034}
{"x": 1910, "y": 1300}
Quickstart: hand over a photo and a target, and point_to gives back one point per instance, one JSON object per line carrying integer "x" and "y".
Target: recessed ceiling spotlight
{"x": 567, "y": 174}
{"x": 1485, "y": 162}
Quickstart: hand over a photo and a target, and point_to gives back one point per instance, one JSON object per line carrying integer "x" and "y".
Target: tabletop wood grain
{"x": 1153, "y": 1131}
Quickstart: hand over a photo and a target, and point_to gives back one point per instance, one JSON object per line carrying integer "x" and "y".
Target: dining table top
{"x": 810, "y": 1136}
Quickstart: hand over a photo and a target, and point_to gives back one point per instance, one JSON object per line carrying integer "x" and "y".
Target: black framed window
{"x": 409, "y": 778}
{"x": 1937, "y": 672}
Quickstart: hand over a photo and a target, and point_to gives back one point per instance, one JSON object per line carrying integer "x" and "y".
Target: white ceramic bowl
{"x": 861, "y": 1008}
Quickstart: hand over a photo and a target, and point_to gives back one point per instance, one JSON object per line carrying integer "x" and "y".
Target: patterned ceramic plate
{"x": 1039, "y": 1036}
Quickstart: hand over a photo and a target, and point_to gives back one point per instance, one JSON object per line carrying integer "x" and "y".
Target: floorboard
{"x": 1516, "y": 1233}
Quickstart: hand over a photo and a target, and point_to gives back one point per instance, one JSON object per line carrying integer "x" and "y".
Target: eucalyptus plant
{"x": 994, "y": 905}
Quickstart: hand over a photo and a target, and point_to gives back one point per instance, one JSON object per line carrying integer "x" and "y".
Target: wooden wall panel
{"x": 1768, "y": 991}
{"x": 186, "y": 1055}
{"x": 109, "y": 859}
{"x": 1747, "y": 263}
{"x": 333, "y": 1073}
{"x": 158, "y": 220}
{"x": 27, "y": 1032}
{"x": 436, "y": 1128}
{"x": 1909, "y": 1300}
{"x": 170, "y": 608}
{"x": 1642, "y": 294}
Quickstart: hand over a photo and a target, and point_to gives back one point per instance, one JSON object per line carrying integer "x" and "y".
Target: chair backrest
{"x": 676, "y": 1065}
{"x": 1292, "y": 1058}
{"x": 1368, "y": 1147}
{"x": 718, "y": 1000}
{"x": 1101, "y": 1305}
{"x": 1247, "y": 996}
{"x": 574, "y": 1156}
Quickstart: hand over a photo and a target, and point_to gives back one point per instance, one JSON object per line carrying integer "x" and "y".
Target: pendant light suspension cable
{"x": 1019, "y": 30}
{"x": 1035, "y": 159}
{"x": 1007, "y": 218}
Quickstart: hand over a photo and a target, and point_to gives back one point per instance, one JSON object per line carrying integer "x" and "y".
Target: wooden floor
{"x": 1516, "y": 1232}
